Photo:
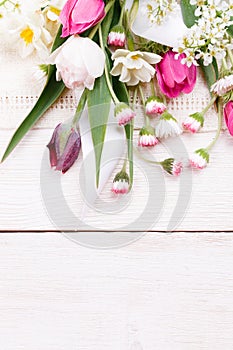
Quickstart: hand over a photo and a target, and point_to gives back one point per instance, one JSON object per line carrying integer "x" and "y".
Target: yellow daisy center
{"x": 27, "y": 35}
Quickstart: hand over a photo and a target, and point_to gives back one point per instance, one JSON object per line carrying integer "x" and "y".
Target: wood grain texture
{"x": 166, "y": 291}
{"x": 24, "y": 174}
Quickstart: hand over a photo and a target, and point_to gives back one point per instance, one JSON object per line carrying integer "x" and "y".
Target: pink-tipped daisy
{"x": 123, "y": 113}
{"x": 193, "y": 122}
{"x": 199, "y": 159}
{"x": 117, "y": 37}
{"x": 154, "y": 105}
{"x": 121, "y": 183}
{"x": 172, "y": 167}
{"x": 147, "y": 137}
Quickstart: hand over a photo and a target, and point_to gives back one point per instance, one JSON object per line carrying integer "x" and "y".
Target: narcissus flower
{"x": 134, "y": 66}
{"x": 172, "y": 167}
{"x": 117, "y": 37}
{"x": 147, "y": 137}
{"x": 154, "y": 105}
{"x": 64, "y": 147}
{"x": 175, "y": 77}
{"x": 75, "y": 63}
{"x": 78, "y": 15}
{"x": 228, "y": 114}
{"x": 123, "y": 113}
{"x": 121, "y": 183}
{"x": 199, "y": 159}
{"x": 167, "y": 126}
{"x": 193, "y": 122}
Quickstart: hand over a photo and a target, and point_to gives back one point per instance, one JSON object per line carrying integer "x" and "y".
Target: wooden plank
{"x": 162, "y": 292}
{"x": 206, "y": 199}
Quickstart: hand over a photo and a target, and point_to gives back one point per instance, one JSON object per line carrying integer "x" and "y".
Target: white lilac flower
{"x": 172, "y": 167}
{"x": 223, "y": 85}
{"x": 147, "y": 137}
{"x": 117, "y": 37}
{"x": 208, "y": 38}
{"x": 157, "y": 11}
{"x": 193, "y": 122}
{"x": 154, "y": 105}
{"x": 167, "y": 126}
{"x": 134, "y": 66}
{"x": 123, "y": 113}
{"x": 199, "y": 159}
{"x": 121, "y": 183}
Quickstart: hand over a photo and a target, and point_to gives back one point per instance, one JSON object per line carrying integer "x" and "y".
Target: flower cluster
{"x": 208, "y": 38}
{"x": 97, "y": 50}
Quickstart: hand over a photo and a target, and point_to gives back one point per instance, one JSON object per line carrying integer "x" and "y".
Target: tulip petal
{"x": 168, "y": 33}
{"x": 89, "y": 50}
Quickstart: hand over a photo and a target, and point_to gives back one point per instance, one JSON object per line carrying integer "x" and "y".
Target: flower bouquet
{"x": 106, "y": 51}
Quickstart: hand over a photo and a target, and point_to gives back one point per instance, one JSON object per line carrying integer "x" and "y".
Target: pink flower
{"x": 75, "y": 64}
{"x": 147, "y": 137}
{"x": 199, "y": 159}
{"x": 79, "y": 15}
{"x": 64, "y": 147}
{"x": 154, "y": 105}
{"x": 117, "y": 37}
{"x": 193, "y": 122}
{"x": 228, "y": 114}
{"x": 123, "y": 113}
{"x": 174, "y": 77}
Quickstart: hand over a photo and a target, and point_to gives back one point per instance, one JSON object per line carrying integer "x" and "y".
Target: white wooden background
{"x": 165, "y": 291}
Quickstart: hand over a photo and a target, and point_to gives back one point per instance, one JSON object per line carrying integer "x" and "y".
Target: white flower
{"x": 53, "y": 9}
{"x": 147, "y": 137}
{"x": 123, "y": 113}
{"x": 167, "y": 126}
{"x": 75, "y": 63}
{"x": 223, "y": 85}
{"x": 134, "y": 66}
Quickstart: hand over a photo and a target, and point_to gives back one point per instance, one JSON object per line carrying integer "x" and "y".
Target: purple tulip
{"x": 175, "y": 77}
{"x": 64, "y": 147}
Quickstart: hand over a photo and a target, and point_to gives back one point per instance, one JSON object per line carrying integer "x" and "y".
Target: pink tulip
{"x": 79, "y": 15}
{"x": 228, "y": 114}
{"x": 174, "y": 77}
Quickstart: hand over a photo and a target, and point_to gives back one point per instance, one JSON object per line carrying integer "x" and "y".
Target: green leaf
{"x": 123, "y": 96}
{"x": 188, "y": 13}
{"x": 51, "y": 92}
{"x": 106, "y": 24}
{"x": 230, "y": 29}
{"x": 98, "y": 101}
{"x": 209, "y": 73}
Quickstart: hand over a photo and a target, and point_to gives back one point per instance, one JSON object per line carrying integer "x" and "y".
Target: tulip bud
{"x": 64, "y": 147}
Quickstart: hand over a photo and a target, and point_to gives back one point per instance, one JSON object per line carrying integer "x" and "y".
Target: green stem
{"x": 122, "y": 14}
{"x": 218, "y": 130}
{"x": 152, "y": 85}
{"x": 135, "y": 94}
{"x": 95, "y": 29}
{"x": 109, "y": 84}
{"x": 80, "y": 108}
{"x": 145, "y": 159}
{"x": 224, "y": 64}
{"x": 230, "y": 56}
{"x": 142, "y": 95}
{"x": 210, "y": 104}
{"x": 124, "y": 165}
{"x": 147, "y": 119}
